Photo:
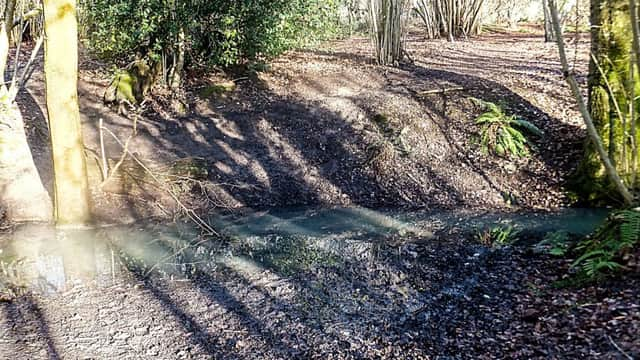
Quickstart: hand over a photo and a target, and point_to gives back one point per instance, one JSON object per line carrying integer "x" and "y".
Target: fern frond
{"x": 501, "y": 132}
{"x": 603, "y": 251}
{"x": 528, "y": 126}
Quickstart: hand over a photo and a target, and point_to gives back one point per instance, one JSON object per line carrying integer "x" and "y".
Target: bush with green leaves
{"x": 502, "y": 134}
{"x": 216, "y": 32}
{"x": 604, "y": 251}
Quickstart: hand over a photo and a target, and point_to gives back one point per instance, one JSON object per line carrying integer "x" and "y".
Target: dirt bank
{"x": 326, "y": 126}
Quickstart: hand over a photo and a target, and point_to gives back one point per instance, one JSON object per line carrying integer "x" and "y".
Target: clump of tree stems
{"x": 387, "y": 22}
{"x": 450, "y": 18}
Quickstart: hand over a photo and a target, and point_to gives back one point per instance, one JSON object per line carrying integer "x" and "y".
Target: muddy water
{"x": 46, "y": 260}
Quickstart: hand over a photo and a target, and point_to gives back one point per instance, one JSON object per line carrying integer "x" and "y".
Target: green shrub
{"x": 217, "y": 32}
{"x": 502, "y": 134}
{"x": 555, "y": 243}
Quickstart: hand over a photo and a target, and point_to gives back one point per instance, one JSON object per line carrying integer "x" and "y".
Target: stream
{"x": 46, "y": 260}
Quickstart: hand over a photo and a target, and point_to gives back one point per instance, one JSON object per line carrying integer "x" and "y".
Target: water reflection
{"x": 47, "y": 260}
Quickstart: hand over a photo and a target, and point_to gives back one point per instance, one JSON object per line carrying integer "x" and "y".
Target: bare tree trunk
{"x": 549, "y": 35}
{"x": 178, "y": 65}
{"x": 61, "y": 76}
{"x": 23, "y": 197}
{"x": 634, "y": 107}
{"x": 450, "y": 18}
{"x": 5, "y": 36}
{"x": 22, "y": 194}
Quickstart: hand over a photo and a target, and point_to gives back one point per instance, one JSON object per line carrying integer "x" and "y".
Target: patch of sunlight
{"x": 381, "y": 220}
{"x": 244, "y": 266}
{"x": 229, "y": 129}
{"x": 259, "y": 276}
{"x": 251, "y": 228}
{"x": 195, "y": 133}
{"x": 222, "y": 167}
{"x": 236, "y": 156}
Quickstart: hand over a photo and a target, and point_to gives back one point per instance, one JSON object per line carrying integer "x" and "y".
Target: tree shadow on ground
{"x": 266, "y": 149}
{"x": 26, "y": 321}
{"x": 37, "y": 131}
{"x": 272, "y": 341}
{"x": 447, "y": 107}
{"x": 279, "y": 152}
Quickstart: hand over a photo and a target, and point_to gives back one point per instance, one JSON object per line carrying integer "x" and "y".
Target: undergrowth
{"x": 611, "y": 249}
{"x": 502, "y": 134}
{"x": 498, "y": 236}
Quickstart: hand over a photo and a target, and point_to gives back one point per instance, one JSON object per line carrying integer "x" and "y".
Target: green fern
{"x": 602, "y": 252}
{"x": 555, "y": 243}
{"x": 503, "y": 134}
{"x": 498, "y": 236}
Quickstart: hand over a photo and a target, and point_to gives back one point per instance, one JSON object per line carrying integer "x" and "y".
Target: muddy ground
{"x": 327, "y": 126}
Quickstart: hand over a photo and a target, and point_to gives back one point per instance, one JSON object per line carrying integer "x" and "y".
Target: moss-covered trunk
{"x": 612, "y": 89}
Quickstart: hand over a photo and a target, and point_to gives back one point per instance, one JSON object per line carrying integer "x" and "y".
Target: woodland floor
{"x": 303, "y": 133}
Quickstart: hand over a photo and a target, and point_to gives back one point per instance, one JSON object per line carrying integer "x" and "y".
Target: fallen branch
{"x": 125, "y": 151}
{"x": 103, "y": 155}
{"x": 618, "y": 348}
{"x": 190, "y": 213}
{"x": 28, "y": 68}
{"x": 442, "y": 91}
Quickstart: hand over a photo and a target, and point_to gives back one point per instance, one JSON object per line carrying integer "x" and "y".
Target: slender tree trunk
{"x": 61, "y": 75}
{"x": 549, "y": 35}
{"x": 387, "y": 29}
{"x": 178, "y": 66}
{"x": 634, "y": 106}
{"x": 5, "y": 36}
{"x": 450, "y": 18}
{"x": 22, "y": 194}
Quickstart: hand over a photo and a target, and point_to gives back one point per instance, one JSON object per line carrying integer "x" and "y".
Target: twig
{"x": 616, "y": 106}
{"x": 28, "y": 68}
{"x": 609, "y": 88}
{"x": 442, "y": 91}
{"x": 190, "y": 213}
{"x": 618, "y": 348}
{"x": 174, "y": 254}
{"x": 103, "y": 155}
{"x": 125, "y": 149}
